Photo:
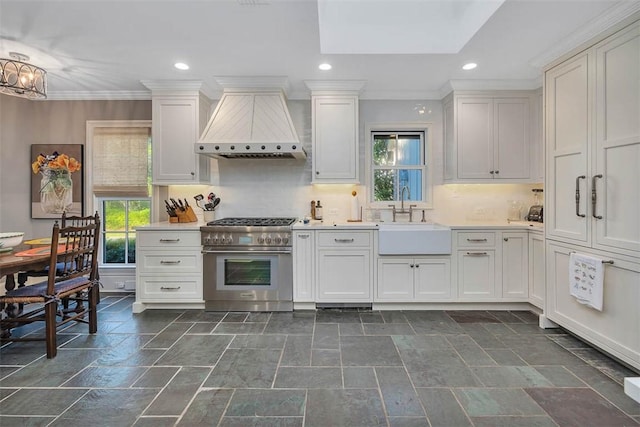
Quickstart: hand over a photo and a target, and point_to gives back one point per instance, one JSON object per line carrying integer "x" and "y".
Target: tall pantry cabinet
{"x": 592, "y": 187}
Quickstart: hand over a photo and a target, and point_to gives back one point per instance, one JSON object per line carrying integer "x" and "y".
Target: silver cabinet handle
{"x": 169, "y": 240}
{"x": 594, "y": 196}
{"x": 497, "y": 172}
{"x": 491, "y": 172}
{"x": 344, "y": 240}
{"x": 476, "y": 240}
{"x": 506, "y": 239}
{"x": 303, "y": 236}
{"x": 170, "y": 262}
{"x": 476, "y": 253}
{"x": 578, "y": 196}
{"x": 169, "y": 288}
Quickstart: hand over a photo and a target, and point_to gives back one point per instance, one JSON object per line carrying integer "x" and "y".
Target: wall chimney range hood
{"x": 251, "y": 123}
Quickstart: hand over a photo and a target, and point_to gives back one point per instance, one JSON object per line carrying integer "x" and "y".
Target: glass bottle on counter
{"x": 318, "y": 211}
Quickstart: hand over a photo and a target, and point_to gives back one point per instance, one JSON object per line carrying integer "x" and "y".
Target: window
{"x": 399, "y": 166}
{"x": 119, "y": 184}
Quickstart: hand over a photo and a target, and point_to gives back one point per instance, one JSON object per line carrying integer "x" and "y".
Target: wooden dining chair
{"x": 73, "y": 271}
{"x": 65, "y": 221}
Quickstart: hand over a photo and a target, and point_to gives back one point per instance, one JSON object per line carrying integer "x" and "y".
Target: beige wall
{"x": 24, "y": 122}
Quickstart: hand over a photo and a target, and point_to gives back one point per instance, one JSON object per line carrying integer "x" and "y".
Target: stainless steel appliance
{"x": 247, "y": 264}
{"x": 536, "y": 212}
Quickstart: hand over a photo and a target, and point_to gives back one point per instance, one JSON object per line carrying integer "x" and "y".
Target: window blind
{"x": 121, "y": 161}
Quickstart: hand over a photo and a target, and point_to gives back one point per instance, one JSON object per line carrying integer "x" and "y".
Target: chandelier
{"x": 19, "y": 78}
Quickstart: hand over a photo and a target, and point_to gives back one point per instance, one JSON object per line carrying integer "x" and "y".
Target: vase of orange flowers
{"x": 56, "y": 184}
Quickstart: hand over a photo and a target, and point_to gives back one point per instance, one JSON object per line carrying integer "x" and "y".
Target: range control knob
{"x": 285, "y": 240}
{"x": 278, "y": 239}
{"x": 268, "y": 239}
{"x": 261, "y": 239}
{"x": 215, "y": 239}
{"x": 229, "y": 239}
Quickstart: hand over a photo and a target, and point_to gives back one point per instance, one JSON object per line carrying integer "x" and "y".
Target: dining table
{"x": 13, "y": 263}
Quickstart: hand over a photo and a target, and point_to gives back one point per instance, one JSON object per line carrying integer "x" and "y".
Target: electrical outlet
{"x": 120, "y": 285}
{"x": 333, "y": 212}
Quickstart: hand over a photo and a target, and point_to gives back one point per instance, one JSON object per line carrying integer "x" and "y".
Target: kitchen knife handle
{"x": 594, "y": 196}
{"x": 578, "y": 195}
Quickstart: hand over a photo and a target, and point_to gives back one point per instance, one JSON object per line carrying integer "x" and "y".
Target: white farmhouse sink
{"x": 413, "y": 239}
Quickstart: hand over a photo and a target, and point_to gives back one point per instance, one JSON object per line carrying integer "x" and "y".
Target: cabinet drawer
{"x": 173, "y": 288}
{"x": 169, "y": 261}
{"x": 472, "y": 239}
{"x": 346, "y": 239}
{"x": 168, "y": 239}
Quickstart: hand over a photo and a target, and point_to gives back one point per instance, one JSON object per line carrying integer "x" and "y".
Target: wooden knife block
{"x": 187, "y": 216}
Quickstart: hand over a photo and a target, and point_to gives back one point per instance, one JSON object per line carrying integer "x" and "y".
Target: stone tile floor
{"x": 326, "y": 368}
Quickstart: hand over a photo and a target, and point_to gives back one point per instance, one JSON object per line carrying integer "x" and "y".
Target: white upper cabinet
{"x": 179, "y": 113}
{"x": 334, "y": 127}
{"x": 593, "y": 146}
{"x": 335, "y": 139}
{"x": 489, "y": 137}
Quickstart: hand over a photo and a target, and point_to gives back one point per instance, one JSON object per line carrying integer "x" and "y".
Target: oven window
{"x": 247, "y": 272}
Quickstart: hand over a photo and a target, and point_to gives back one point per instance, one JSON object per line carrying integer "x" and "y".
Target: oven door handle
{"x": 286, "y": 252}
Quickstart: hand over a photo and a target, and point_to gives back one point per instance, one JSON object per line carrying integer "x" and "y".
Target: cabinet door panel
{"x": 567, "y": 119}
{"x": 303, "y": 262}
{"x": 615, "y": 328}
{"x": 174, "y": 133}
{"x": 515, "y": 258}
{"x": 536, "y": 270}
{"x": 475, "y": 138}
{"x": 395, "y": 279}
{"x": 432, "y": 279}
{"x": 335, "y": 148}
{"x": 617, "y": 147}
{"x": 476, "y": 274}
{"x": 343, "y": 276}
{"x": 511, "y": 139}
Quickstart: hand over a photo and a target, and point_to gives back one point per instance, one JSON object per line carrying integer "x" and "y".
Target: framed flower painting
{"x": 57, "y": 180}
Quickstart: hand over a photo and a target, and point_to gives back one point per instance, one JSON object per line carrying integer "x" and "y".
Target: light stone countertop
{"x": 166, "y": 225}
{"x": 344, "y": 225}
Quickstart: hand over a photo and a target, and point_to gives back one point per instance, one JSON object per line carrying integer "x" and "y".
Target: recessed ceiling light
{"x": 181, "y": 66}
{"x": 324, "y": 67}
{"x": 469, "y": 66}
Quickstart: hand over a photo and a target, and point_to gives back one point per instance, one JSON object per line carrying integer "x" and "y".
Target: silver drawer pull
{"x": 476, "y": 253}
{"x": 303, "y": 236}
{"x": 476, "y": 240}
{"x": 170, "y": 262}
{"x": 344, "y": 240}
{"x": 168, "y": 288}
{"x": 169, "y": 240}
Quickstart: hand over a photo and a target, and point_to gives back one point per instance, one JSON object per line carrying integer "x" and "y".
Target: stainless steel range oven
{"x": 247, "y": 264}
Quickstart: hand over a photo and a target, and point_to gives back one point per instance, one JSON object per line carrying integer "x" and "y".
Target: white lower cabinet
{"x": 476, "y": 265}
{"x": 492, "y": 265}
{"x": 168, "y": 269}
{"x": 515, "y": 262}
{"x": 303, "y": 266}
{"x": 615, "y": 328}
{"x": 536, "y": 269}
{"x": 413, "y": 279}
{"x": 344, "y": 269}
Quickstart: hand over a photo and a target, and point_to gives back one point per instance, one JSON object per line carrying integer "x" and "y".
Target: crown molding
{"x": 254, "y": 83}
{"x": 335, "y": 85}
{"x": 400, "y": 95}
{"x": 612, "y": 16}
{"x": 452, "y": 85}
{"x": 134, "y": 95}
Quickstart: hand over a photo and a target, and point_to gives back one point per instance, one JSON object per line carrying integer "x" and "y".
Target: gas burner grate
{"x": 254, "y": 222}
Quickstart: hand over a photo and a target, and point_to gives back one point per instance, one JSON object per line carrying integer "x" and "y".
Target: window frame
{"x": 94, "y": 203}
{"x": 127, "y": 233}
{"x": 427, "y": 166}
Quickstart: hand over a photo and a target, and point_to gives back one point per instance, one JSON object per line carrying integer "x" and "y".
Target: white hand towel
{"x": 586, "y": 280}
